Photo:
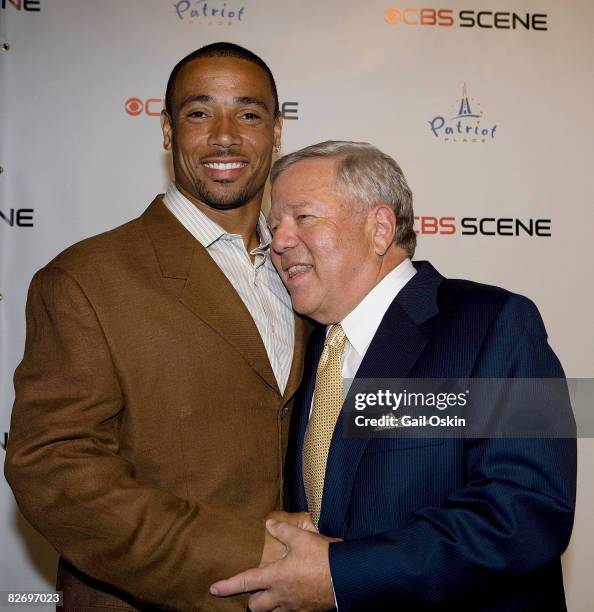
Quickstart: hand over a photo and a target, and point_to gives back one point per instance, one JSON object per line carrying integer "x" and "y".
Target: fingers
{"x": 282, "y": 531}
{"x": 299, "y": 519}
{"x": 306, "y": 523}
{"x": 331, "y": 540}
{"x": 262, "y": 601}
{"x": 246, "y": 582}
{"x": 273, "y": 550}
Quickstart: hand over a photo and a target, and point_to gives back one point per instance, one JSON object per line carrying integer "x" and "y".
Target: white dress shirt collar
{"x": 362, "y": 322}
{"x": 203, "y": 228}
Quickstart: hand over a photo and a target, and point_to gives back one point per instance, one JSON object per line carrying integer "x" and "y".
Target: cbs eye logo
{"x": 151, "y": 107}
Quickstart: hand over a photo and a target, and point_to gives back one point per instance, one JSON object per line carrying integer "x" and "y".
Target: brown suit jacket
{"x": 148, "y": 432}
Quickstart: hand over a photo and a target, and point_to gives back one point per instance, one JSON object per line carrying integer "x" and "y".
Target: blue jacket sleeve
{"x": 513, "y": 515}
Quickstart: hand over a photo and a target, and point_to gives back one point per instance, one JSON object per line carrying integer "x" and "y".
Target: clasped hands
{"x": 294, "y": 572}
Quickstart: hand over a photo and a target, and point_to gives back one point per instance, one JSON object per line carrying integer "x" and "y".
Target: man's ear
{"x": 384, "y": 228}
{"x": 167, "y": 129}
{"x": 278, "y": 128}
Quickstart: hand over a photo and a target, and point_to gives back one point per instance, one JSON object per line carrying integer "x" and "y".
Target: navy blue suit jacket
{"x": 445, "y": 524}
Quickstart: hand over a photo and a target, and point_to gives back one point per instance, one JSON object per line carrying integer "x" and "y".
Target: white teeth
{"x": 225, "y": 166}
{"x": 293, "y": 270}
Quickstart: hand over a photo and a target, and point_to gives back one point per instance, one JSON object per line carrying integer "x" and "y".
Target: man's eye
{"x": 197, "y": 114}
{"x": 303, "y": 217}
{"x": 250, "y": 116}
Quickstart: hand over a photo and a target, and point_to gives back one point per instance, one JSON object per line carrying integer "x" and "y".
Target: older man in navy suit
{"x": 406, "y": 523}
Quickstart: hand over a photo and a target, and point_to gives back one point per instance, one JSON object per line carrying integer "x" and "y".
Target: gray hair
{"x": 364, "y": 175}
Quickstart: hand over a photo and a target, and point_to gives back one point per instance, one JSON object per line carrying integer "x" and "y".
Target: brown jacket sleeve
{"x": 71, "y": 483}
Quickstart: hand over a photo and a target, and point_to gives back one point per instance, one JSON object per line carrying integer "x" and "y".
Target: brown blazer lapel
{"x": 206, "y": 292}
{"x": 302, "y": 333}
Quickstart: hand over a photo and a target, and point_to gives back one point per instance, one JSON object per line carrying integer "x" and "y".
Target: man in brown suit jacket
{"x": 149, "y": 426}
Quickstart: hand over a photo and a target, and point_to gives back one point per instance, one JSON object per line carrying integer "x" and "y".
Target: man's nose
{"x": 224, "y": 133}
{"x": 284, "y": 237}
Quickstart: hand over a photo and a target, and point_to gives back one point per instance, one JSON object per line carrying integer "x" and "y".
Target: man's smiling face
{"x": 322, "y": 244}
{"x": 221, "y": 130}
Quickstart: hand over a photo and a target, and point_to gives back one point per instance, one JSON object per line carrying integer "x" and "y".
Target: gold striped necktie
{"x": 328, "y": 400}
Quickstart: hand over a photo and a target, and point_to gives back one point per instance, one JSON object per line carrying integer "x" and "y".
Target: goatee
{"x": 223, "y": 201}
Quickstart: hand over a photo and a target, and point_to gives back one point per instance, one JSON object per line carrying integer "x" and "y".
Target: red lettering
{"x": 428, "y": 16}
{"x": 446, "y": 18}
{"x": 429, "y": 225}
{"x": 448, "y": 225}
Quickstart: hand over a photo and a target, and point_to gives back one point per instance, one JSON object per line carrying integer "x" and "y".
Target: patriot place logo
{"x": 211, "y": 12}
{"x": 464, "y": 123}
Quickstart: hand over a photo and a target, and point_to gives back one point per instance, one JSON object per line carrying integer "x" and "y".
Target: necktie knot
{"x": 334, "y": 345}
{"x": 336, "y": 337}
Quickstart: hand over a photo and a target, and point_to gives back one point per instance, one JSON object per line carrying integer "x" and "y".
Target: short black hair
{"x": 219, "y": 49}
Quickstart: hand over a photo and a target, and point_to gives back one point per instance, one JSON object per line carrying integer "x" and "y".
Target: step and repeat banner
{"x": 486, "y": 105}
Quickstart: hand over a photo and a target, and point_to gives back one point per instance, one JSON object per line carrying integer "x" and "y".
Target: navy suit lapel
{"x": 394, "y": 350}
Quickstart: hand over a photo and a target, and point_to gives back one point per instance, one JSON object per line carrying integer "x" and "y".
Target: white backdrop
{"x": 80, "y": 155}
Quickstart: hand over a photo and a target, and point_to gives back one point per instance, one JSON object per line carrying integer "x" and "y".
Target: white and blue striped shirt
{"x": 257, "y": 283}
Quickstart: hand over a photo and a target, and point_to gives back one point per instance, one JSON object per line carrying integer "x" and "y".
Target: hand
{"x": 299, "y": 581}
{"x": 275, "y": 550}
{"x": 297, "y": 519}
